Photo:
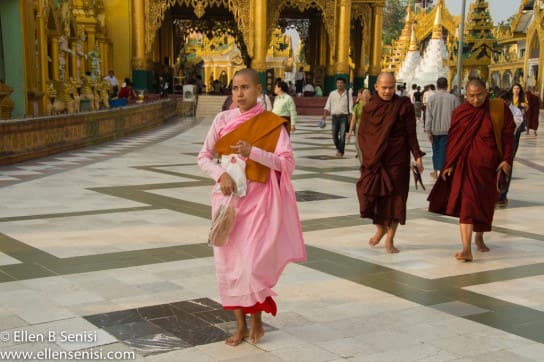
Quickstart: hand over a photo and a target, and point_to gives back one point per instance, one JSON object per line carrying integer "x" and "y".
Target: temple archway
{"x": 308, "y": 21}
{"x": 158, "y": 43}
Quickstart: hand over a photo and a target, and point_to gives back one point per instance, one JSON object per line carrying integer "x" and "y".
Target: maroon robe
{"x": 470, "y": 192}
{"x": 386, "y": 135}
{"x": 533, "y": 111}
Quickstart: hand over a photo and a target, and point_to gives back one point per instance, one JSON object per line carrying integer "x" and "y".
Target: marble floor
{"x": 103, "y": 250}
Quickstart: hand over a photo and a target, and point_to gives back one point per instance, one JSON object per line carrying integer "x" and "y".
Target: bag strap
{"x": 496, "y": 112}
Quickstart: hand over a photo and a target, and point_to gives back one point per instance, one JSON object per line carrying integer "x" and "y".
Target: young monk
{"x": 267, "y": 233}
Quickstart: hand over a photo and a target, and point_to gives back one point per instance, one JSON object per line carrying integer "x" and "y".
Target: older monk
{"x": 386, "y": 136}
{"x": 480, "y": 144}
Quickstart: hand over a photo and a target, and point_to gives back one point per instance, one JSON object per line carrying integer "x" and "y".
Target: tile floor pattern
{"x": 111, "y": 241}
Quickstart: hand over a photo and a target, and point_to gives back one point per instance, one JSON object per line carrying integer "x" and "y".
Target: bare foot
{"x": 479, "y": 241}
{"x": 391, "y": 249}
{"x": 465, "y": 256}
{"x": 237, "y": 337}
{"x": 256, "y": 331}
{"x": 375, "y": 240}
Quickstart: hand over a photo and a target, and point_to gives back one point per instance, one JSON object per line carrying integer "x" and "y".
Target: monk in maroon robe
{"x": 467, "y": 187}
{"x": 386, "y": 135}
{"x": 533, "y": 111}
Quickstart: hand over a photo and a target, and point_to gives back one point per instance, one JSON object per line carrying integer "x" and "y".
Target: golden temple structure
{"x": 60, "y": 50}
{"x": 501, "y": 55}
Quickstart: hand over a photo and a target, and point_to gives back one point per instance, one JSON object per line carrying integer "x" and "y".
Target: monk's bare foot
{"x": 390, "y": 249}
{"x": 256, "y": 332}
{"x": 479, "y": 241}
{"x": 375, "y": 240}
{"x": 464, "y": 255}
{"x": 237, "y": 337}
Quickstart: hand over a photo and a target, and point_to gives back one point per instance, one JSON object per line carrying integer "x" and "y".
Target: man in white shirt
{"x": 339, "y": 105}
{"x": 113, "y": 82}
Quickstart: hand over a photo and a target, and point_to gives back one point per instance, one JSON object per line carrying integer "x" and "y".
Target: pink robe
{"x": 267, "y": 233}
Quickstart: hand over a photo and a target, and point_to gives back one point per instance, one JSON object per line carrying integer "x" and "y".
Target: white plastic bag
{"x": 222, "y": 222}
{"x": 236, "y": 168}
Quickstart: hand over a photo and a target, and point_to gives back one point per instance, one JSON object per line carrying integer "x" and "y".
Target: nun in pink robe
{"x": 267, "y": 232}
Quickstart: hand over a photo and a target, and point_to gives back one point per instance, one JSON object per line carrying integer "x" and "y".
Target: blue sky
{"x": 500, "y": 9}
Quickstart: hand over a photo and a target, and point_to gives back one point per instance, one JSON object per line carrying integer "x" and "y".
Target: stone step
{"x": 209, "y": 106}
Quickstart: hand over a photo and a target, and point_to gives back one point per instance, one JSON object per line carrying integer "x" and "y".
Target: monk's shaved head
{"x": 476, "y": 93}
{"x": 385, "y": 86}
{"x": 476, "y": 82}
{"x": 250, "y": 73}
{"x": 246, "y": 89}
{"x": 385, "y": 76}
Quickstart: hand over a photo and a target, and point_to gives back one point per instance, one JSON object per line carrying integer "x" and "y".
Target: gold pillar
{"x": 322, "y": 46}
{"x": 206, "y": 77}
{"x": 104, "y": 64}
{"x": 259, "y": 59}
{"x": 377, "y": 25}
{"x": 74, "y": 72}
{"x": 138, "y": 34}
{"x": 55, "y": 57}
{"x": 91, "y": 38}
{"x": 42, "y": 43}
{"x": 361, "y": 70}
{"x": 343, "y": 40}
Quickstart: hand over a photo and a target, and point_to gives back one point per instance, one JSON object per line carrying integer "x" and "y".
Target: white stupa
{"x": 411, "y": 61}
{"x": 432, "y": 66}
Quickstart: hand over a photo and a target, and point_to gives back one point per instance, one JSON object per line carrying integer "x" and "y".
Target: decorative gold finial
{"x": 437, "y": 27}
{"x": 413, "y": 39}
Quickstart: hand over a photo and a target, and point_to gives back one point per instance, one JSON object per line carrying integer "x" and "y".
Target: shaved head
{"x": 476, "y": 82}
{"x": 252, "y": 75}
{"x": 385, "y": 76}
{"x": 476, "y": 93}
{"x": 385, "y": 86}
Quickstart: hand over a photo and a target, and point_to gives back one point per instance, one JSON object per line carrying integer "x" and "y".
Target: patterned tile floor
{"x": 108, "y": 245}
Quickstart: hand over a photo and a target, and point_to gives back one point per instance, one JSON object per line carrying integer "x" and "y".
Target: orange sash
{"x": 496, "y": 112}
{"x": 262, "y": 131}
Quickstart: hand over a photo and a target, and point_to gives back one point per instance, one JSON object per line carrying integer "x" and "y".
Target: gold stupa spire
{"x": 408, "y": 21}
{"x": 437, "y": 26}
{"x": 413, "y": 39}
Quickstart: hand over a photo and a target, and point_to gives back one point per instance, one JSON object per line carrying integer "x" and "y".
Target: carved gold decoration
{"x": 200, "y": 10}
{"x": 138, "y": 64}
{"x": 6, "y": 104}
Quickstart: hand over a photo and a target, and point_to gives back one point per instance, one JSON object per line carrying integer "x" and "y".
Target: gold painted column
{"x": 74, "y": 71}
{"x": 343, "y": 40}
{"x": 322, "y": 46}
{"x": 376, "y": 51}
{"x": 55, "y": 57}
{"x": 206, "y": 77}
{"x": 259, "y": 52}
{"x": 42, "y": 44}
{"x": 139, "y": 74}
{"x": 138, "y": 34}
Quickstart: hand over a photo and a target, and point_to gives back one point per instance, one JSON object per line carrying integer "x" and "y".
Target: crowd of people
{"x": 474, "y": 143}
